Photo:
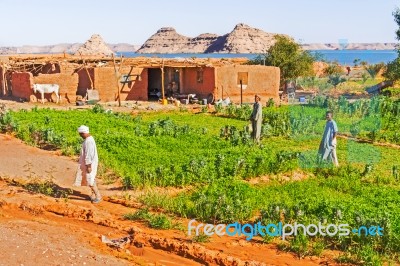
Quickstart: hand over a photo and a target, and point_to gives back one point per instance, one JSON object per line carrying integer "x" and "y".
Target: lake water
{"x": 345, "y": 57}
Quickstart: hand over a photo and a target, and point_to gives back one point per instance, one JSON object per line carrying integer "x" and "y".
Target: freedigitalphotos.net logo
{"x": 282, "y": 230}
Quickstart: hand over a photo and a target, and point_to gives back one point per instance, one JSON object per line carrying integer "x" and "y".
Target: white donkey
{"x": 47, "y": 88}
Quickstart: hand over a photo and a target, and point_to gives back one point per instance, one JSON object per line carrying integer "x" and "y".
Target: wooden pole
{"x": 117, "y": 80}
{"x": 6, "y": 89}
{"x": 90, "y": 78}
{"x": 121, "y": 63}
{"x": 87, "y": 71}
{"x": 126, "y": 79}
{"x": 241, "y": 92}
{"x": 162, "y": 82}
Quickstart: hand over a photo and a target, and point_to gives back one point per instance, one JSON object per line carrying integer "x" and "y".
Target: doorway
{"x": 154, "y": 84}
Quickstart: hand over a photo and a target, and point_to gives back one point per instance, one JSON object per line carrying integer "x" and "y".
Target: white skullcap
{"x": 83, "y": 129}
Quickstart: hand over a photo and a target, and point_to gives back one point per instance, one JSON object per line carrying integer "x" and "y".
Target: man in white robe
{"x": 88, "y": 162}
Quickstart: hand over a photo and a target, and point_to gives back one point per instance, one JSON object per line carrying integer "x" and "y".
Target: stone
{"x": 95, "y": 46}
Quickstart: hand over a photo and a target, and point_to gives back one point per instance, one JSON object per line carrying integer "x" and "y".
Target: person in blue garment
{"x": 327, "y": 147}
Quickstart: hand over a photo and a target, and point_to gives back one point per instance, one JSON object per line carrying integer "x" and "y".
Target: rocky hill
{"x": 123, "y": 47}
{"x": 243, "y": 39}
{"x": 201, "y": 43}
{"x": 69, "y": 48}
{"x": 94, "y": 46}
{"x": 350, "y": 46}
{"x": 172, "y": 42}
{"x": 167, "y": 40}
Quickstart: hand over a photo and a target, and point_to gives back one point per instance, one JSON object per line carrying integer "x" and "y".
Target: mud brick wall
{"x": 105, "y": 83}
{"x": 2, "y": 89}
{"x": 104, "y": 79}
{"x": 262, "y": 80}
{"x": 137, "y": 89}
{"x": 22, "y": 84}
{"x": 84, "y": 80}
{"x": 68, "y": 83}
{"x": 191, "y": 84}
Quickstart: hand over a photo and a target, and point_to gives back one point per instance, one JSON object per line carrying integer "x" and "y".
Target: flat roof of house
{"x": 98, "y": 61}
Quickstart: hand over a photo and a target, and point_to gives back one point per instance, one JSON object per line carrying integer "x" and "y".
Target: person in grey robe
{"x": 256, "y": 119}
{"x": 327, "y": 147}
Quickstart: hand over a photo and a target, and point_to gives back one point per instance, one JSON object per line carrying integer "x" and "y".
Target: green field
{"x": 212, "y": 156}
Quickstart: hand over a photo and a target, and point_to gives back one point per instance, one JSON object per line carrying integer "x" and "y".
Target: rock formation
{"x": 200, "y": 43}
{"x": 94, "y": 46}
{"x": 165, "y": 40}
{"x": 243, "y": 39}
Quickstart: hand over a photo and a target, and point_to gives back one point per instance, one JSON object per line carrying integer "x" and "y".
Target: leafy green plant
{"x": 333, "y": 69}
{"x": 395, "y": 172}
{"x": 98, "y": 108}
{"x": 271, "y": 102}
{"x": 158, "y": 221}
{"x": 336, "y": 79}
{"x": 374, "y": 69}
{"x": 300, "y": 245}
{"x": 218, "y": 108}
{"x": 364, "y": 77}
{"x": 201, "y": 238}
{"x": 355, "y": 129}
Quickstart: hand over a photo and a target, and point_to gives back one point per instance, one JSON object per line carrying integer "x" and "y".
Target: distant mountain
{"x": 123, "y": 47}
{"x": 242, "y": 39}
{"x": 48, "y": 49}
{"x": 69, "y": 48}
{"x": 350, "y": 46}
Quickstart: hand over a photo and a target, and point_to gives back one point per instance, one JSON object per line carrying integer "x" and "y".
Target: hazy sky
{"x": 41, "y": 22}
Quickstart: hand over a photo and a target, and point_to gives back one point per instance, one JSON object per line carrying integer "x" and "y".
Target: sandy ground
{"x": 38, "y": 243}
{"x": 22, "y": 160}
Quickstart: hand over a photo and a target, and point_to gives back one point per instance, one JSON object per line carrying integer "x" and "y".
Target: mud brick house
{"x": 19, "y": 75}
{"x": 140, "y": 78}
{"x": 219, "y": 77}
